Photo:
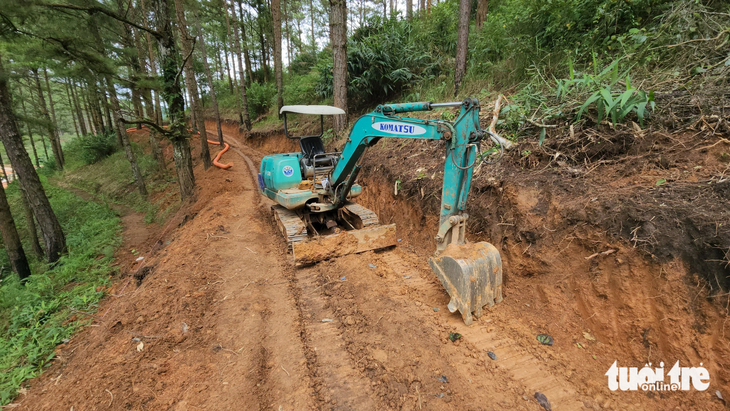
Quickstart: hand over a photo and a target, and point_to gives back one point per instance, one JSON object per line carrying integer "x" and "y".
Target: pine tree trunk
{"x": 197, "y": 107}
{"x": 233, "y": 69}
{"x": 77, "y": 106}
{"x": 264, "y": 53}
{"x": 153, "y": 135}
{"x": 244, "y": 101}
{"x": 209, "y": 76}
{"x": 53, "y": 237}
{"x": 178, "y": 133}
{"x": 87, "y": 107}
{"x": 422, "y": 6}
{"x": 71, "y": 110}
{"x": 11, "y": 239}
{"x": 409, "y": 9}
{"x": 246, "y": 54}
{"x": 228, "y": 66}
{"x": 338, "y": 38}
{"x": 462, "y": 44}
{"x": 288, "y": 32}
{"x": 5, "y": 172}
{"x": 56, "y": 138}
{"x": 482, "y": 10}
{"x": 49, "y": 127}
{"x": 121, "y": 131}
{"x": 30, "y": 132}
{"x": 30, "y": 221}
{"x": 278, "y": 70}
{"x": 109, "y": 124}
{"x": 153, "y": 71}
{"x": 311, "y": 18}
{"x": 145, "y": 92}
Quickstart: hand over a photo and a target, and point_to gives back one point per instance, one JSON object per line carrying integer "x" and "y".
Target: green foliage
{"x": 608, "y": 103}
{"x": 111, "y": 181}
{"x": 35, "y": 318}
{"x": 260, "y": 97}
{"x": 382, "y": 61}
{"x": 92, "y": 148}
{"x": 300, "y": 89}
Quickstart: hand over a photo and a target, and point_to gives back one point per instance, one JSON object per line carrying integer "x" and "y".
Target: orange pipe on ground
{"x": 218, "y": 156}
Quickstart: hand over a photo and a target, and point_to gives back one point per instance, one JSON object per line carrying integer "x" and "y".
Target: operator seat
{"x": 312, "y": 146}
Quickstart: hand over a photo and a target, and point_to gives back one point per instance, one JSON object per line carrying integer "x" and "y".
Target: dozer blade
{"x": 472, "y": 275}
{"x": 346, "y": 242}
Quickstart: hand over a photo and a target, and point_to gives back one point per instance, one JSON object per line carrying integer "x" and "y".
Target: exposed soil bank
{"x": 219, "y": 320}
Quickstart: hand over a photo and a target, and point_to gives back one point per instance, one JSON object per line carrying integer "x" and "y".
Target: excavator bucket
{"x": 472, "y": 275}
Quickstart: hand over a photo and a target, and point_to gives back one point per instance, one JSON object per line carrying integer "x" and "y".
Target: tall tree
{"x": 233, "y": 70}
{"x": 338, "y": 38}
{"x": 278, "y": 70}
{"x": 311, "y": 19}
{"x": 244, "y": 44}
{"x": 482, "y": 10}
{"x": 462, "y": 44}
{"x": 244, "y": 101}
{"x": 27, "y": 125}
{"x": 209, "y": 77}
{"x": 53, "y": 237}
{"x": 49, "y": 124}
{"x": 153, "y": 134}
{"x": 178, "y": 132}
{"x": 30, "y": 223}
{"x": 409, "y": 9}
{"x": 71, "y": 110}
{"x": 188, "y": 43}
{"x": 57, "y": 137}
{"x": 11, "y": 239}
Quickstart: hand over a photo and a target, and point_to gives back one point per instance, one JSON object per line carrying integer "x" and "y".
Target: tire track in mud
{"x": 263, "y": 311}
{"x": 514, "y": 362}
{"x": 342, "y": 387}
{"x": 337, "y": 384}
{"x": 343, "y": 381}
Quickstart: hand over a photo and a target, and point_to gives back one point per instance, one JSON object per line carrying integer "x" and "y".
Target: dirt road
{"x": 215, "y": 318}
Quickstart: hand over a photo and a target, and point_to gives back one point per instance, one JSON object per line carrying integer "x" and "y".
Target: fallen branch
{"x": 493, "y": 125}
{"x": 536, "y": 124}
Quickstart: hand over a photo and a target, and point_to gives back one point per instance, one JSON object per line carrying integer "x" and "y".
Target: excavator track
{"x": 306, "y": 250}
{"x": 368, "y": 217}
{"x": 291, "y": 226}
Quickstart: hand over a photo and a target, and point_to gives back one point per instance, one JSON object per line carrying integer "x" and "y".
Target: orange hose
{"x": 218, "y": 156}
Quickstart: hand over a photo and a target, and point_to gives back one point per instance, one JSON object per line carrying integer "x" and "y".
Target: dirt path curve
{"x": 215, "y": 318}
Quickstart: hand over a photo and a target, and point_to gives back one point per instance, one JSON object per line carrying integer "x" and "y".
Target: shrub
{"x": 94, "y": 147}
{"x": 260, "y": 98}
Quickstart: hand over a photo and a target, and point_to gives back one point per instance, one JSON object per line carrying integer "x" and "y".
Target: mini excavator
{"x": 314, "y": 192}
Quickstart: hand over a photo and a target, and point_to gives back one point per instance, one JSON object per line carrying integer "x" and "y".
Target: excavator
{"x": 314, "y": 193}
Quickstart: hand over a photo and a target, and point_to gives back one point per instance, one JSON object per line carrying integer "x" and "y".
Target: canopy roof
{"x": 314, "y": 110}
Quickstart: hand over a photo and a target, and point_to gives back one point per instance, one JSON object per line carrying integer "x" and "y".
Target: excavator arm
{"x": 470, "y": 272}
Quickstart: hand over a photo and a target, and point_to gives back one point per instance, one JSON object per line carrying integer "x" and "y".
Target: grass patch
{"x": 111, "y": 181}
{"x": 54, "y": 303}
